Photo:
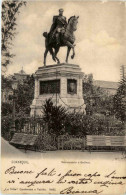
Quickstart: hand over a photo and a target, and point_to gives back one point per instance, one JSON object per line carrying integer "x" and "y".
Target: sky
{"x": 100, "y": 37}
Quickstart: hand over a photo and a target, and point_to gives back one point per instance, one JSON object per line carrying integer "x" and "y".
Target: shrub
{"x": 6, "y": 124}
{"x": 46, "y": 142}
{"x": 81, "y": 125}
{"x": 54, "y": 116}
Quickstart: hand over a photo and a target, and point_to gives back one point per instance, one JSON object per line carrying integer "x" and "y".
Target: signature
{"x": 71, "y": 190}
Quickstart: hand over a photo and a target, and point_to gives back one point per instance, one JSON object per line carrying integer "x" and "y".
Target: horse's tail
{"x": 45, "y": 34}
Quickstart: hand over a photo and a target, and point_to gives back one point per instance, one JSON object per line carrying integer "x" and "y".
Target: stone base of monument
{"x": 62, "y": 83}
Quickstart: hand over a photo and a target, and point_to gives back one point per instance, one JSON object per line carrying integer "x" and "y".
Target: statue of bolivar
{"x": 58, "y": 27}
{"x": 61, "y": 34}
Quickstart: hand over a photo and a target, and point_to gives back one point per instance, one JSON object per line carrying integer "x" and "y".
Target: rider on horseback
{"x": 61, "y": 35}
{"x": 58, "y": 27}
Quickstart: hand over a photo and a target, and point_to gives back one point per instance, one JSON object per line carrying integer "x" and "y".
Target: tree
{"x": 54, "y": 116}
{"x": 120, "y": 101}
{"x": 25, "y": 95}
{"x": 6, "y": 109}
{"x": 5, "y": 82}
{"x": 10, "y": 10}
{"x": 96, "y": 99}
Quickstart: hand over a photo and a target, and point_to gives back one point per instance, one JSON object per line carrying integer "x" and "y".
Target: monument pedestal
{"x": 62, "y": 83}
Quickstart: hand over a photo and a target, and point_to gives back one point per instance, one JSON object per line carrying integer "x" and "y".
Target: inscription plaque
{"x": 52, "y": 86}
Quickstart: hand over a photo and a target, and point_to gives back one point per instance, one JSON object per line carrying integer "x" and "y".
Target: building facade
{"x": 108, "y": 86}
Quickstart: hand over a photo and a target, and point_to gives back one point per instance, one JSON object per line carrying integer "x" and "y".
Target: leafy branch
{"x": 10, "y": 10}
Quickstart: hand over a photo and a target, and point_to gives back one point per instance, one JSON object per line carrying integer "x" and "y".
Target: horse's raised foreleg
{"x": 71, "y": 46}
{"x": 45, "y": 54}
{"x": 73, "y": 53}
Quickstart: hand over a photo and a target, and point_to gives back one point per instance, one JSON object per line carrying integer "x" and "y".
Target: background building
{"x": 7, "y": 90}
{"x": 21, "y": 75}
{"x": 108, "y": 86}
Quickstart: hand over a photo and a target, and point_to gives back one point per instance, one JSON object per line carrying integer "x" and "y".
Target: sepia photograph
{"x": 63, "y": 97}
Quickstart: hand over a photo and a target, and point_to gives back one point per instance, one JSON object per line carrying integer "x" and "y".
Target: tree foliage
{"x": 54, "y": 116}
{"x": 6, "y": 109}
{"x": 120, "y": 101}
{"x": 24, "y": 96}
{"x": 10, "y": 10}
{"x": 5, "y": 82}
{"x": 80, "y": 125}
{"x": 96, "y": 99}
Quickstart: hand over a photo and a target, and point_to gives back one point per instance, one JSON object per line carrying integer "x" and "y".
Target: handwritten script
{"x": 69, "y": 181}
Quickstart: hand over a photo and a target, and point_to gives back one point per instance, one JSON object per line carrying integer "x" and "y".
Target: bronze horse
{"x": 66, "y": 39}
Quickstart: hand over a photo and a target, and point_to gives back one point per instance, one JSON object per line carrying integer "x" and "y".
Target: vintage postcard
{"x": 63, "y": 97}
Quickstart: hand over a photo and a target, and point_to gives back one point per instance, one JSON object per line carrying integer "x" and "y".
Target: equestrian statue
{"x": 61, "y": 34}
